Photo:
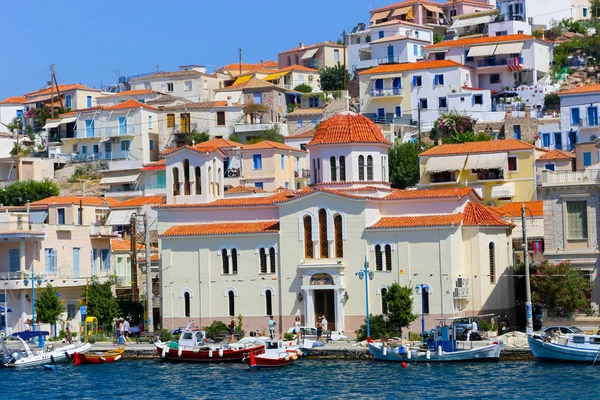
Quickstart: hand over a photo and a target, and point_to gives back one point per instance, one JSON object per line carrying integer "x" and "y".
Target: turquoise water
{"x": 306, "y": 379}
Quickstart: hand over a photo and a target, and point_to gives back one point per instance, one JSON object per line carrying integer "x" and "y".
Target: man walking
{"x": 271, "y": 327}
{"x": 126, "y": 332}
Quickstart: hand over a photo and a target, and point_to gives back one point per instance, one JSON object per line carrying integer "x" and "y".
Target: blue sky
{"x": 89, "y": 41}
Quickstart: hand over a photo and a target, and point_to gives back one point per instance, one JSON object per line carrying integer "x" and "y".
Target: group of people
{"x": 123, "y": 329}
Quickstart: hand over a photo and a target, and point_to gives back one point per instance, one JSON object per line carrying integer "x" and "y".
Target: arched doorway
{"x": 323, "y": 299}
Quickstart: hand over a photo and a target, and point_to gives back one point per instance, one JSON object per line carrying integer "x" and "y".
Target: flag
{"x": 514, "y": 64}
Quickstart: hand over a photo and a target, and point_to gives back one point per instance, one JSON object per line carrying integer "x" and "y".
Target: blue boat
{"x": 573, "y": 348}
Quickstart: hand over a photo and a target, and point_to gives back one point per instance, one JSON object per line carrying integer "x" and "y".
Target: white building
{"x": 11, "y": 108}
{"x": 579, "y": 115}
{"x": 542, "y": 13}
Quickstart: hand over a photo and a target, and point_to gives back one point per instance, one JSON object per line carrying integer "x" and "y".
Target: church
{"x": 293, "y": 253}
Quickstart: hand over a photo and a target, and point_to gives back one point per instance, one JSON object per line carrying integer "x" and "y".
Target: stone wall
{"x": 270, "y": 99}
{"x": 505, "y": 129}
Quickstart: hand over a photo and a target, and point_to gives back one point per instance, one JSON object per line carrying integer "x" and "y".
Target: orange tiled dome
{"x": 348, "y": 127}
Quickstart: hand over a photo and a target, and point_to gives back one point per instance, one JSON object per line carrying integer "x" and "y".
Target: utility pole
{"x": 528, "y": 311}
{"x": 419, "y": 122}
{"x": 18, "y": 158}
{"x": 149, "y": 308}
{"x": 345, "y": 75}
{"x": 57, "y": 88}
{"x": 134, "y": 278}
{"x": 51, "y": 91}
{"x": 240, "y": 60}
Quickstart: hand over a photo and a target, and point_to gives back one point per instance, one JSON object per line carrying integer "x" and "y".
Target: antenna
{"x": 240, "y": 60}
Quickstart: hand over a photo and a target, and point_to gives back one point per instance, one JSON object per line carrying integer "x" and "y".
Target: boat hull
{"x": 98, "y": 358}
{"x": 490, "y": 352}
{"x": 64, "y": 354}
{"x": 204, "y": 355}
{"x": 268, "y": 361}
{"x": 554, "y": 352}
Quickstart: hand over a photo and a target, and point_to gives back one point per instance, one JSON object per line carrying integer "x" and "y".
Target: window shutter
{"x": 414, "y": 80}
{"x": 437, "y": 80}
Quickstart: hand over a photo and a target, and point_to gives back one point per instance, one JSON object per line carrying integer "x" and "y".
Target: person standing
{"x": 473, "y": 329}
{"x": 69, "y": 336}
{"x": 231, "y": 329}
{"x": 126, "y": 332}
{"x": 297, "y": 329}
{"x": 27, "y": 326}
{"x": 324, "y": 323}
{"x": 272, "y": 327}
{"x": 319, "y": 331}
{"x": 121, "y": 332}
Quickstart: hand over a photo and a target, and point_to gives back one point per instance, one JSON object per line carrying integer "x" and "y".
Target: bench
{"x": 326, "y": 336}
{"x": 146, "y": 336}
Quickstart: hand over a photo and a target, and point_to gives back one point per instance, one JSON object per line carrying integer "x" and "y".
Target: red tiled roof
{"x": 130, "y": 104}
{"x": 62, "y": 88}
{"x": 581, "y": 89}
{"x": 207, "y": 147}
{"x": 223, "y": 228}
{"x": 416, "y": 66}
{"x": 142, "y": 200}
{"x": 557, "y": 155}
{"x": 488, "y": 146}
{"x": 532, "y": 209}
{"x": 334, "y": 44}
{"x": 249, "y": 67}
{"x": 120, "y": 244}
{"x": 244, "y": 201}
{"x": 480, "y": 40}
{"x": 14, "y": 100}
{"x": 155, "y": 166}
{"x": 268, "y": 145}
{"x": 245, "y": 189}
{"x": 298, "y": 68}
{"x": 86, "y": 201}
{"x": 348, "y": 127}
{"x": 439, "y": 193}
{"x": 417, "y": 221}
{"x": 476, "y": 214}
{"x": 133, "y": 92}
{"x": 304, "y": 134}
{"x": 252, "y": 83}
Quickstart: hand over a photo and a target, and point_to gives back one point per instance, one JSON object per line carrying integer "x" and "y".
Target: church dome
{"x": 348, "y": 127}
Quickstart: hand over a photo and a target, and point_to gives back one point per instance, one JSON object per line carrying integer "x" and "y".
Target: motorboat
{"x": 194, "y": 347}
{"x": 442, "y": 347}
{"x": 15, "y": 351}
{"x": 99, "y": 357}
{"x": 573, "y": 347}
{"x": 278, "y": 353}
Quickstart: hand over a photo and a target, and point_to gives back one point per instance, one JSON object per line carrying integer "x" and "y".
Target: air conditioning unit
{"x": 461, "y": 288}
{"x": 451, "y": 89}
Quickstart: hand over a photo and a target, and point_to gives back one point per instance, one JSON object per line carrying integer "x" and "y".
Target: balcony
{"x": 389, "y": 60}
{"x": 121, "y": 131}
{"x": 302, "y": 174}
{"x": 566, "y": 178}
{"x": 389, "y": 92}
{"x": 496, "y": 62}
{"x": 588, "y": 122}
{"x": 253, "y": 127}
{"x": 87, "y": 134}
{"x": 113, "y": 155}
{"x": 100, "y": 230}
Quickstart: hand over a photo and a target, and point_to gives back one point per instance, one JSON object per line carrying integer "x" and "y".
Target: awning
{"x": 401, "y": 11}
{"x": 437, "y": 51}
{"x": 509, "y": 48}
{"x": 434, "y": 9}
{"x": 388, "y": 76}
{"x": 482, "y": 51}
{"x": 67, "y": 120}
{"x": 309, "y": 54}
{"x": 51, "y": 123}
{"x": 275, "y": 76}
{"x": 38, "y": 99}
{"x": 448, "y": 163}
{"x": 487, "y": 161}
{"x": 505, "y": 190}
{"x": 379, "y": 15}
{"x": 242, "y": 79}
{"x": 484, "y": 19}
{"x": 38, "y": 217}
{"x": 236, "y": 96}
{"x": 119, "y": 217}
{"x": 119, "y": 179}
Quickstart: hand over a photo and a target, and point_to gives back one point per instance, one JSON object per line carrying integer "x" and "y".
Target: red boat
{"x": 192, "y": 347}
{"x": 98, "y": 357}
{"x": 276, "y": 355}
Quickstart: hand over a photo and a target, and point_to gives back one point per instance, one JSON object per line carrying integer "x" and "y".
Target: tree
{"x": 101, "y": 303}
{"x": 48, "y": 306}
{"x": 303, "y": 88}
{"x": 400, "y": 305}
{"x": 16, "y": 125}
{"x": 271, "y": 134}
{"x": 455, "y": 127}
{"x": 197, "y": 137}
{"x": 332, "y": 78}
{"x": 18, "y": 193}
{"x": 378, "y": 328}
{"x": 561, "y": 289}
{"x": 20, "y": 149}
{"x": 131, "y": 311}
{"x": 551, "y": 100}
{"x": 403, "y": 160}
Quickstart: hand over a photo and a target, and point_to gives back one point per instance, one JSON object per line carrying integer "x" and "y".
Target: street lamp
{"x": 421, "y": 288}
{"x": 34, "y": 280}
{"x": 362, "y": 274}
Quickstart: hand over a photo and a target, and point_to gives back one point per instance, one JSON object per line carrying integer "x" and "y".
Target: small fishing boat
{"x": 442, "y": 348}
{"x": 277, "y": 354}
{"x": 573, "y": 347}
{"x": 15, "y": 351}
{"x": 98, "y": 357}
{"x": 193, "y": 347}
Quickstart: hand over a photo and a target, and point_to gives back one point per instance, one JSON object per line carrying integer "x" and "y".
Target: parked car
{"x": 461, "y": 324}
{"x": 560, "y": 330}
{"x": 311, "y": 331}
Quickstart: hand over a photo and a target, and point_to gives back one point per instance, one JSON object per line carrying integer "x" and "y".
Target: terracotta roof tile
{"x": 557, "y": 155}
{"x": 120, "y": 244}
{"x": 130, "y": 104}
{"x": 581, "y": 89}
{"x": 348, "y": 127}
{"x": 206, "y": 104}
{"x": 241, "y": 201}
{"x": 14, "y": 100}
{"x": 308, "y": 133}
{"x": 476, "y": 214}
{"x": 62, "y": 88}
{"x": 298, "y": 68}
{"x": 252, "y": 83}
{"x": 86, "y": 201}
{"x": 532, "y": 209}
{"x": 245, "y": 189}
{"x": 155, "y": 166}
{"x": 329, "y": 43}
{"x": 488, "y": 146}
{"x": 417, "y": 221}
{"x": 416, "y": 66}
{"x": 207, "y": 147}
{"x": 439, "y": 193}
{"x": 306, "y": 111}
{"x": 267, "y": 145}
{"x": 223, "y": 228}
{"x": 133, "y": 92}
{"x": 480, "y": 40}
{"x": 142, "y": 200}
{"x": 272, "y": 65}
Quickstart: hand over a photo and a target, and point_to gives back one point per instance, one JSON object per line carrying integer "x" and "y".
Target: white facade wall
{"x": 322, "y": 154}
{"x": 205, "y": 120}
{"x": 570, "y": 130}
{"x": 8, "y": 112}
{"x": 211, "y": 177}
{"x": 545, "y": 12}
{"x": 405, "y": 50}
{"x": 202, "y": 86}
{"x": 510, "y": 27}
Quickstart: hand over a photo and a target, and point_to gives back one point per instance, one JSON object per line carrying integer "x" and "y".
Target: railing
{"x": 113, "y": 155}
{"x": 584, "y": 121}
{"x": 389, "y": 60}
{"x": 253, "y": 127}
{"x": 386, "y": 92}
{"x": 302, "y": 173}
{"x": 590, "y": 176}
{"x": 87, "y": 133}
{"x": 494, "y": 62}
{"x": 100, "y": 229}
{"x": 435, "y": 21}
{"x": 120, "y": 130}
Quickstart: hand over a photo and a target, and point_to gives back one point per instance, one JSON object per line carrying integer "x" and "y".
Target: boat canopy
{"x": 26, "y": 335}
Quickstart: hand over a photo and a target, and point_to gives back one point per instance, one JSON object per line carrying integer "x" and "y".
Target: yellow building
{"x": 499, "y": 171}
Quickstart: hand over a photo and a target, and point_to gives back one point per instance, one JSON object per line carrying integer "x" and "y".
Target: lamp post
{"x": 367, "y": 276}
{"x": 420, "y": 288}
{"x": 5, "y": 307}
{"x": 34, "y": 280}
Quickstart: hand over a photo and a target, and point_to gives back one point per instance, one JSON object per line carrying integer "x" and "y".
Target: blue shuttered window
{"x": 545, "y": 140}
{"x": 93, "y": 258}
{"x": 76, "y": 262}
{"x": 587, "y": 159}
{"x": 14, "y": 260}
{"x": 50, "y": 257}
{"x": 105, "y": 259}
{"x": 257, "y": 159}
{"x": 575, "y": 116}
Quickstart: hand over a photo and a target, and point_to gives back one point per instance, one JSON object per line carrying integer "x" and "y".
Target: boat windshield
{"x": 576, "y": 329}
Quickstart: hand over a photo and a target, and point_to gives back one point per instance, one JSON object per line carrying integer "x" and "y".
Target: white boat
{"x": 573, "y": 347}
{"x": 15, "y": 351}
{"x": 277, "y": 354}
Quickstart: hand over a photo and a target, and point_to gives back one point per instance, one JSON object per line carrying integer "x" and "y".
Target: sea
{"x": 305, "y": 379}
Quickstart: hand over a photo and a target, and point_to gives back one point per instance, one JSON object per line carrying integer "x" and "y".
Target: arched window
{"x": 388, "y": 257}
{"x": 297, "y": 59}
{"x": 186, "y": 177}
{"x": 369, "y": 168}
{"x": 342, "y": 168}
{"x": 197, "y": 180}
{"x": 175, "y": 181}
{"x": 384, "y": 306}
{"x": 218, "y": 186}
{"x": 361, "y": 168}
{"x": 231, "y": 297}
{"x": 308, "y": 242}
{"x": 333, "y": 169}
{"x": 225, "y": 258}
{"x": 378, "y": 258}
{"x": 338, "y": 236}
{"x": 425, "y": 294}
{"x": 289, "y": 61}
{"x": 186, "y": 303}
{"x": 234, "y": 261}
{"x": 272, "y": 259}
{"x": 324, "y": 243}
{"x": 268, "y": 302}
{"x": 263, "y": 260}
{"x": 316, "y": 177}
{"x": 318, "y": 170}
{"x": 211, "y": 189}
{"x": 491, "y": 255}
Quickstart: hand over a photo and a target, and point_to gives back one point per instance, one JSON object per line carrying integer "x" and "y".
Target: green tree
{"x": 455, "y": 127}
{"x": 197, "y": 137}
{"x": 400, "y": 305}
{"x": 101, "y": 302}
{"x": 561, "y": 289}
{"x": 18, "y": 193}
{"x": 234, "y": 138}
{"x": 272, "y": 134}
{"x": 551, "y": 100}
{"x": 332, "y": 78}
{"x": 20, "y": 149}
{"x": 48, "y": 306}
{"x": 303, "y": 88}
{"x": 378, "y": 327}
{"x": 131, "y": 311}
{"x": 16, "y": 125}
{"x": 403, "y": 160}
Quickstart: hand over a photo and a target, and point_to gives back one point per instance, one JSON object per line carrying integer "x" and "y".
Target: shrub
{"x": 212, "y": 331}
{"x": 164, "y": 335}
{"x": 287, "y": 336}
{"x": 303, "y": 88}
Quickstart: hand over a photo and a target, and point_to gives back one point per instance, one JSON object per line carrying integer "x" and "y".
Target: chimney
{"x": 229, "y": 101}
{"x": 527, "y": 111}
{"x": 301, "y": 45}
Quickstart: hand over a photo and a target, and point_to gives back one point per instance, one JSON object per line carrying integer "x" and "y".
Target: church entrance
{"x": 324, "y": 301}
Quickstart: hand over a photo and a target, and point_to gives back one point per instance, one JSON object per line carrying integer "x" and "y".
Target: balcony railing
{"x": 386, "y": 92}
{"x": 113, "y": 155}
{"x": 253, "y": 127}
{"x": 586, "y": 122}
{"x": 302, "y": 173}
{"x": 87, "y": 133}
{"x": 389, "y": 60}
{"x": 590, "y": 176}
{"x": 120, "y": 130}
{"x": 494, "y": 62}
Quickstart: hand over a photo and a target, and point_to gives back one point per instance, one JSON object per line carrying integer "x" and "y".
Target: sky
{"x": 93, "y": 42}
